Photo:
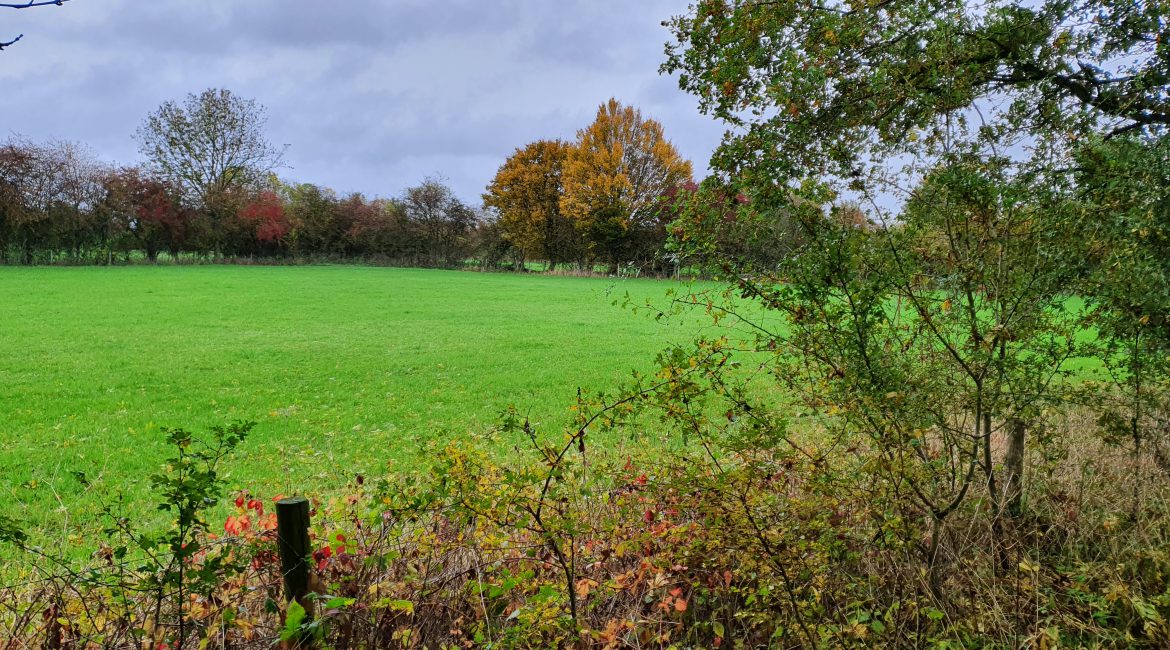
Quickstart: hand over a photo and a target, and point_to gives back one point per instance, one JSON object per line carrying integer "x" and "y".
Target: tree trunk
{"x": 1013, "y": 467}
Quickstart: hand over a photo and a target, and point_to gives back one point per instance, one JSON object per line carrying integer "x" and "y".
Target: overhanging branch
{"x": 26, "y": 5}
{"x": 32, "y": 3}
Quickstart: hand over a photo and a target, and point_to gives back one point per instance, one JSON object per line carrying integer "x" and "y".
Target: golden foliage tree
{"x": 526, "y": 192}
{"x": 616, "y": 174}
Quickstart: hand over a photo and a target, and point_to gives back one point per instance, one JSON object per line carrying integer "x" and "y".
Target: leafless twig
{"x": 26, "y": 5}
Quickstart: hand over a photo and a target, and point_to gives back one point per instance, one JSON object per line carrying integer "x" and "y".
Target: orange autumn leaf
{"x": 584, "y": 586}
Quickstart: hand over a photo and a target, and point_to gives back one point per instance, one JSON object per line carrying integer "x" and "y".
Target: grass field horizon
{"x": 345, "y": 369}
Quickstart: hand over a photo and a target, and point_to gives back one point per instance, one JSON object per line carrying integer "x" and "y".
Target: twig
{"x": 32, "y": 3}
{"x": 26, "y": 5}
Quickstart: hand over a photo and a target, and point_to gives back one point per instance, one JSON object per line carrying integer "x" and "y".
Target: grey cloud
{"x": 174, "y": 26}
{"x": 370, "y": 95}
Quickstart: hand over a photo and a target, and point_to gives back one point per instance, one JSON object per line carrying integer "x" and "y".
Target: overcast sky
{"x": 370, "y": 95}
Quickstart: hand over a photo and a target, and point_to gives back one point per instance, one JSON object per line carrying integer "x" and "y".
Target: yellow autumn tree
{"x": 526, "y": 192}
{"x": 615, "y": 177}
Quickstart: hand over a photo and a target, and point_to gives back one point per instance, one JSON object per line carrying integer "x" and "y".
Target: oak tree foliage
{"x": 840, "y": 88}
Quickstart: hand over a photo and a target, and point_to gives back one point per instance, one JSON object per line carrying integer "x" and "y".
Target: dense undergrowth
{"x": 728, "y": 545}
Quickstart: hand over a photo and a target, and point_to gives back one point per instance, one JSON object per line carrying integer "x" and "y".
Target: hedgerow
{"x": 567, "y": 546}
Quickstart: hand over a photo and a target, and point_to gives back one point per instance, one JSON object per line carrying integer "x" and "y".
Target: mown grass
{"x": 346, "y": 370}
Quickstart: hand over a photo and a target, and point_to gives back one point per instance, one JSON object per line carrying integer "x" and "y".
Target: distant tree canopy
{"x": 57, "y": 203}
{"x": 25, "y": 5}
{"x": 603, "y": 197}
{"x": 622, "y": 161}
{"x": 526, "y": 193}
{"x": 47, "y": 194}
{"x": 441, "y": 222}
{"x": 208, "y": 187}
{"x": 145, "y": 210}
{"x": 211, "y": 146}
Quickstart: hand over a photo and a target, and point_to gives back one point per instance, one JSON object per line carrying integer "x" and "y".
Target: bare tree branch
{"x": 32, "y": 3}
{"x": 26, "y": 5}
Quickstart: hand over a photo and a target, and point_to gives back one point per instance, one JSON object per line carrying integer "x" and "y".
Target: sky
{"x": 370, "y": 96}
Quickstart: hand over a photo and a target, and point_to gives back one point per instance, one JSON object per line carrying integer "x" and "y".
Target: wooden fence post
{"x": 292, "y": 535}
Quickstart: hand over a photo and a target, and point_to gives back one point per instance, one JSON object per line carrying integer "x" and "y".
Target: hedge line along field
{"x": 345, "y": 369}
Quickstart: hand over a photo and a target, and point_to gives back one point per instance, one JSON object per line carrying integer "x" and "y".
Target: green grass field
{"x": 345, "y": 369}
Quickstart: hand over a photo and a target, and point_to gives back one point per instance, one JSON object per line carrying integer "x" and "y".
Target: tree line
{"x": 609, "y": 196}
{"x": 58, "y": 204}
{"x": 208, "y": 188}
